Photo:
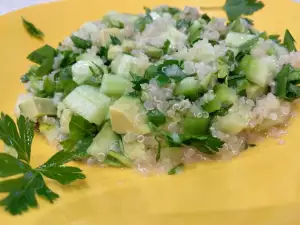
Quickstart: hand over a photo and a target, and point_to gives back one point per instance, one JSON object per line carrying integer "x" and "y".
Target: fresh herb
{"x": 137, "y": 81}
{"x": 115, "y": 40}
{"x": 22, "y": 190}
{"x": 236, "y": 8}
{"x": 122, "y": 159}
{"x": 81, "y": 43}
{"x": 177, "y": 169}
{"x": 166, "y": 46}
{"x": 275, "y": 38}
{"x": 156, "y": 117}
{"x": 168, "y": 9}
{"x": 289, "y": 41}
{"x": 69, "y": 58}
{"x": 140, "y": 23}
{"x": 206, "y": 18}
{"x": 65, "y": 82}
{"x": 103, "y": 52}
{"x": 30, "y": 74}
{"x": 183, "y": 23}
{"x": 49, "y": 87}
{"x": 204, "y": 143}
{"x": 32, "y": 30}
{"x": 151, "y": 72}
{"x": 44, "y": 57}
{"x": 79, "y": 128}
{"x": 157, "y": 158}
{"x": 287, "y": 81}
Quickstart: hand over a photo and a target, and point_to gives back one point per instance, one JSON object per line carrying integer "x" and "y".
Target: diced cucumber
{"x": 113, "y": 51}
{"x": 254, "y": 91}
{"x": 65, "y": 119}
{"x": 104, "y": 141}
{"x": 256, "y": 70}
{"x": 223, "y": 95}
{"x": 106, "y": 34}
{"x": 234, "y": 39}
{"x": 121, "y": 158}
{"x": 153, "y": 52}
{"x": 91, "y": 57}
{"x": 196, "y": 26}
{"x": 188, "y": 87}
{"x": 122, "y": 64}
{"x": 127, "y": 114}
{"x": 82, "y": 71}
{"x": 195, "y": 126}
{"x": 207, "y": 81}
{"x": 36, "y": 107}
{"x": 114, "y": 86}
{"x": 135, "y": 150}
{"x": 236, "y": 120}
{"x": 89, "y": 103}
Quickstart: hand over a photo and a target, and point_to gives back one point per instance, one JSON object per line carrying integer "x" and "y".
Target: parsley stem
{"x": 212, "y": 8}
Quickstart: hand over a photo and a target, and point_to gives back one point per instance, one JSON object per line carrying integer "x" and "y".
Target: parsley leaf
{"x": 44, "y": 57}
{"x": 22, "y": 191}
{"x": 115, "y": 40}
{"x": 32, "y": 30}
{"x": 289, "y": 41}
{"x": 140, "y": 23}
{"x": 19, "y": 137}
{"x": 81, "y": 43}
{"x": 236, "y": 8}
{"x": 166, "y": 46}
{"x": 156, "y": 117}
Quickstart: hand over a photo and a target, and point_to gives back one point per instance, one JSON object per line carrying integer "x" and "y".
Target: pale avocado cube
{"x": 135, "y": 150}
{"x": 171, "y": 156}
{"x": 37, "y": 107}
{"x": 105, "y": 35}
{"x": 88, "y": 102}
{"x": 65, "y": 120}
{"x": 127, "y": 114}
{"x": 113, "y": 51}
{"x": 106, "y": 140}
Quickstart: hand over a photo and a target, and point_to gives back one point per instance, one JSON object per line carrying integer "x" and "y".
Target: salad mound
{"x": 161, "y": 89}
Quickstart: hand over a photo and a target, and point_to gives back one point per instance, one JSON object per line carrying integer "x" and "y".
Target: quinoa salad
{"x": 165, "y": 88}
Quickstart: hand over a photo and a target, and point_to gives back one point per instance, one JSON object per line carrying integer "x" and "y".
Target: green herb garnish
{"x": 81, "y": 43}
{"x": 115, "y": 40}
{"x": 177, "y": 169}
{"x": 22, "y": 190}
{"x": 289, "y": 41}
{"x": 236, "y": 8}
{"x": 32, "y": 30}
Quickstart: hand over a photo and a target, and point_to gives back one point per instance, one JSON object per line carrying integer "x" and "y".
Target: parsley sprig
{"x": 27, "y": 182}
{"x": 236, "y": 8}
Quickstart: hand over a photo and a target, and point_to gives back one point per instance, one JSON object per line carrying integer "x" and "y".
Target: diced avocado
{"x": 153, "y": 52}
{"x": 128, "y": 45}
{"x": 127, "y": 114}
{"x": 223, "y": 96}
{"x": 254, "y": 91}
{"x": 88, "y": 102}
{"x": 113, "y": 51}
{"x": 170, "y": 157}
{"x": 135, "y": 150}
{"x": 114, "y": 86}
{"x": 256, "y": 70}
{"x": 104, "y": 141}
{"x": 37, "y": 107}
{"x": 234, "y": 39}
{"x": 105, "y": 35}
{"x": 65, "y": 119}
{"x": 188, "y": 87}
{"x": 91, "y": 57}
{"x": 195, "y": 126}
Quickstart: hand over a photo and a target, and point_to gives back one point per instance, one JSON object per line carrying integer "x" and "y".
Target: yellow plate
{"x": 260, "y": 187}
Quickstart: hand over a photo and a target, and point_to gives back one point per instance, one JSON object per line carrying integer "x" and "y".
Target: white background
{"x": 11, "y": 5}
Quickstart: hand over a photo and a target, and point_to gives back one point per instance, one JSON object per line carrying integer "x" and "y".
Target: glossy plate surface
{"x": 260, "y": 187}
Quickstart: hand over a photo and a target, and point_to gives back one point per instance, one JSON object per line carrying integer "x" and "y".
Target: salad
{"x": 161, "y": 89}
{"x": 152, "y": 91}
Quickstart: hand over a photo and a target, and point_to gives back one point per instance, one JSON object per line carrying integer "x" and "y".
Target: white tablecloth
{"x": 11, "y": 5}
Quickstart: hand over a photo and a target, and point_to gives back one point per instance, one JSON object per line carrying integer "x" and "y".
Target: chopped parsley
{"x": 32, "y": 30}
